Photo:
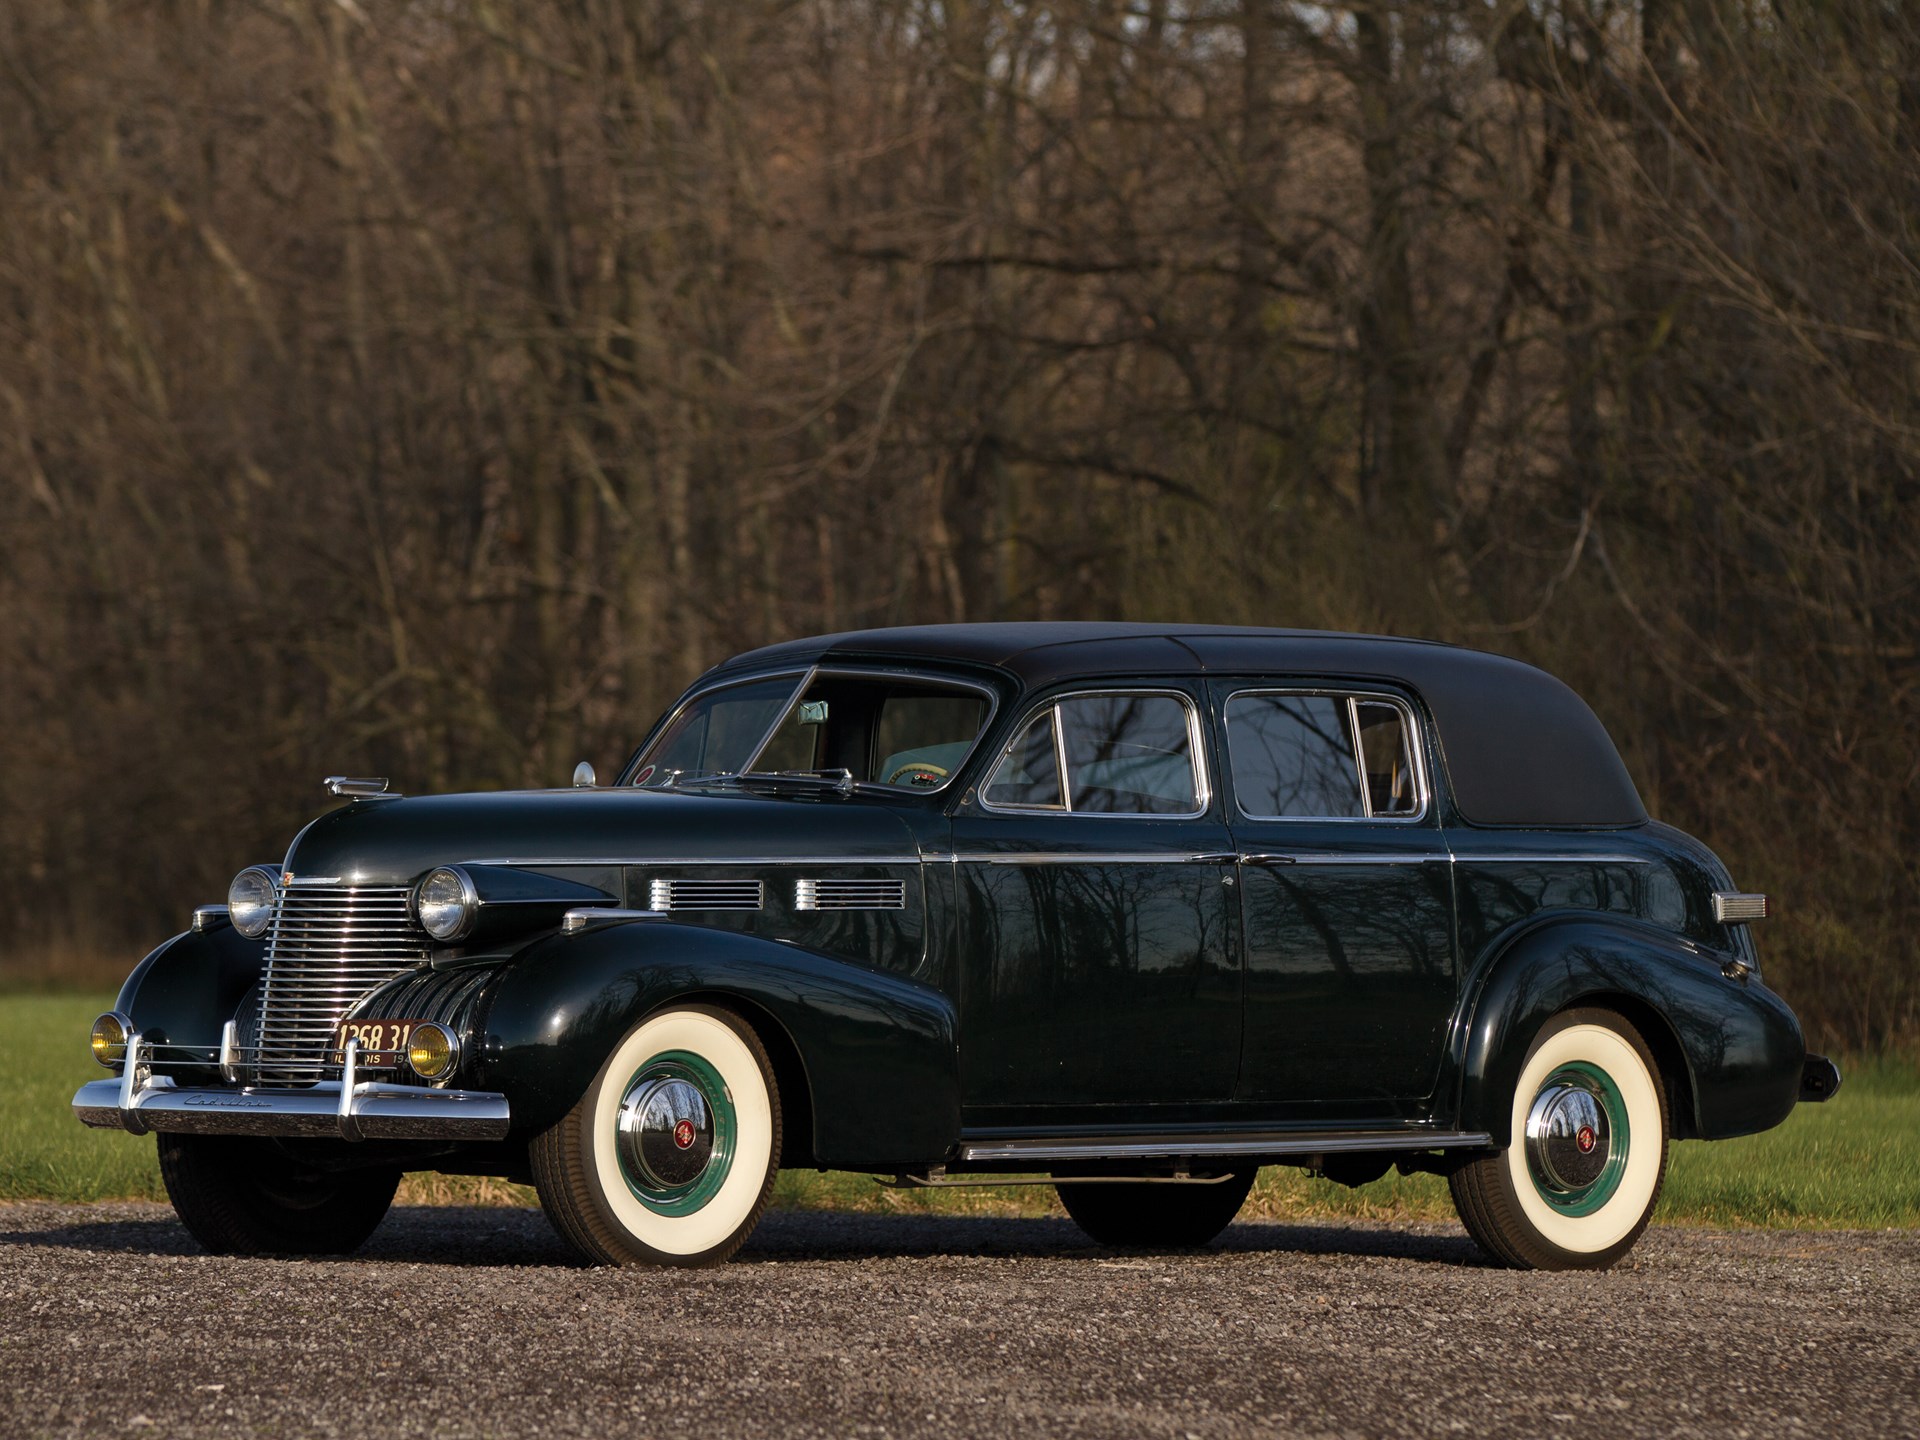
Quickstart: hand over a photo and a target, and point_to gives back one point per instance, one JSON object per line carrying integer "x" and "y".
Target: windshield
{"x": 720, "y": 731}
{"x": 902, "y": 731}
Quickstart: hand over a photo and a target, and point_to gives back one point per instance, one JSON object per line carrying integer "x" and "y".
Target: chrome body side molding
{"x": 1264, "y": 857}
{"x": 1088, "y": 857}
{"x": 1056, "y": 857}
{"x": 660, "y": 862}
{"x": 1524, "y": 859}
{"x": 1278, "y": 1142}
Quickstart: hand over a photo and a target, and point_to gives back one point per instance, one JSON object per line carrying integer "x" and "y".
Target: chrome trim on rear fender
{"x": 1730, "y": 907}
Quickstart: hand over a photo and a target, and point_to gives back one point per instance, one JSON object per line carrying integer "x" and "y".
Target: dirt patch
{"x": 458, "y": 1322}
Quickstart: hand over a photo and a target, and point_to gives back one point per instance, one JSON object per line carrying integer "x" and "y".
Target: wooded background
{"x": 432, "y": 388}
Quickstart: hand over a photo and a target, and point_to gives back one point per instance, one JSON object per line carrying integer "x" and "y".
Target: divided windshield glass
{"x": 908, "y": 732}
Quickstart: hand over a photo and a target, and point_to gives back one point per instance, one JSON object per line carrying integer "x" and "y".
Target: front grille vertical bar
{"x": 327, "y": 945}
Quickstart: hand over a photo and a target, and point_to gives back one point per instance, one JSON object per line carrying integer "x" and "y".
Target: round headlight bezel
{"x": 446, "y": 918}
{"x": 251, "y": 913}
{"x": 449, "y": 1050}
{"x": 110, "y": 1052}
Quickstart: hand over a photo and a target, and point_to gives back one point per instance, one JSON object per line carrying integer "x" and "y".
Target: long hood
{"x": 393, "y": 841}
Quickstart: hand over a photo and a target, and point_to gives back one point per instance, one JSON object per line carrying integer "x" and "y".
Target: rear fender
{"x": 879, "y": 1051}
{"x": 1738, "y": 1047}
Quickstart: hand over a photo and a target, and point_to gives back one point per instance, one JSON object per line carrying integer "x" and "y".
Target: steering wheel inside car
{"x": 917, "y": 767}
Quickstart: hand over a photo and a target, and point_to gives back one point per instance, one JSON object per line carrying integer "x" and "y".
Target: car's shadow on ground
{"x": 486, "y": 1236}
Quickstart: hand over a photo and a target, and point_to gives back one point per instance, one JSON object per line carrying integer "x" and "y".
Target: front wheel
{"x": 670, "y": 1156}
{"x": 241, "y": 1196}
{"x": 1578, "y": 1182}
{"x": 1148, "y": 1215}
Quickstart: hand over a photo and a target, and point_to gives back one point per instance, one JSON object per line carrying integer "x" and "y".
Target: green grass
{"x": 1851, "y": 1163}
{"x": 45, "y": 1154}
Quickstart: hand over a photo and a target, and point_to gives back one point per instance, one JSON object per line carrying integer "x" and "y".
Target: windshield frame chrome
{"x": 807, "y": 675}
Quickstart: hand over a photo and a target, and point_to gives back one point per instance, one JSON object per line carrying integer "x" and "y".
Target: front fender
{"x": 1740, "y": 1046}
{"x": 879, "y": 1051}
{"x": 188, "y": 987}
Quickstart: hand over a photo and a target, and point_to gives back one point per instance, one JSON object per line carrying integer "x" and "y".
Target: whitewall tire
{"x": 670, "y": 1156}
{"x": 1577, "y": 1184}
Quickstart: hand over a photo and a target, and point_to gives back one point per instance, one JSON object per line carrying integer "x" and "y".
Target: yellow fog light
{"x": 432, "y": 1051}
{"x": 110, "y": 1033}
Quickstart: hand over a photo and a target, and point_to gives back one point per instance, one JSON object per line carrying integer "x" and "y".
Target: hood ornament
{"x": 358, "y": 787}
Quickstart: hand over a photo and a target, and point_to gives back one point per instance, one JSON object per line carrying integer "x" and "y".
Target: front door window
{"x": 1095, "y": 884}
{"x": 1123, "y": 754}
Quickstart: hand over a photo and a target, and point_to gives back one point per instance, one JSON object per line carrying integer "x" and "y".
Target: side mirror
{"x": 583, "y": 774}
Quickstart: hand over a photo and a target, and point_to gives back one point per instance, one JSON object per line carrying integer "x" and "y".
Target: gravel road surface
{"x": 470, "y": 1322}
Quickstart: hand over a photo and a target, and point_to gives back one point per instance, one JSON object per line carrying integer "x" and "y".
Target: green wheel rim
{"x": 1591, "y": 1195}
{"x": 688, "y": 1198}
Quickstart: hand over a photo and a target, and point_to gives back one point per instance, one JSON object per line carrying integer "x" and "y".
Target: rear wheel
{"x": 670, "y": 1156}
{"x": 1147, "y": 1215}
{"x": 1577, "y": 1185}
{"x": 240, "y": 1196}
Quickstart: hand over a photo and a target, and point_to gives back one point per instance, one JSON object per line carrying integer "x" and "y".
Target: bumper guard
{"x": 345, "y": 1109}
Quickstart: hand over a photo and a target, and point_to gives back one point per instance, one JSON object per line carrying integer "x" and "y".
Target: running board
{"x": 1277, "y": 1143}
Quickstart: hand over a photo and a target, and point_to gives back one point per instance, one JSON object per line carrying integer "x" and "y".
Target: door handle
{"x": 1266, "y": 859}
{"x": 1214, "y": 857}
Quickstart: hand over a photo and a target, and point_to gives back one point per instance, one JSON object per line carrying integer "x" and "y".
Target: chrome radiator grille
{"x": 327, "y": 945}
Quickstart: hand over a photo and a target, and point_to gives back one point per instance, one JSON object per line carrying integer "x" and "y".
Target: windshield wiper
{"x": 840, "y": 782}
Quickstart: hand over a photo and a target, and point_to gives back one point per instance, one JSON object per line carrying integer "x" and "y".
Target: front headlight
{"x": 250, "y": 900}
{"x": 446, "y": 902}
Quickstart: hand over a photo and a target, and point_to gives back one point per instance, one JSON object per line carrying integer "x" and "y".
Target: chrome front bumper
{"x": 345, "y": 1109}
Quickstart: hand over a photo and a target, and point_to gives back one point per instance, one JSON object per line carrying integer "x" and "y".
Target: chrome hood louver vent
{"x": 327, "y": 945}
{"x": 850, "y": 895}
{"x": 673, "y": 895}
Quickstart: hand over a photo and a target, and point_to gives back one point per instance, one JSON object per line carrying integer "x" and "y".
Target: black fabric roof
{"x": 1520, "y": 747}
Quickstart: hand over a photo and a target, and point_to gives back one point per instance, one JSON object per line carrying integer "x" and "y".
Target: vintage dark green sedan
{"x": 1136, "y": 909}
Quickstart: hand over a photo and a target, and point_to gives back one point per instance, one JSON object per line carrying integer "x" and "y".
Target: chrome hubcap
{"x": 666, "y": 1131}
{"x": 1569, "y": 1137}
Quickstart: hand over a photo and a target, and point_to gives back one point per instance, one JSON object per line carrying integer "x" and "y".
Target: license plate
{"x": 383, "y": 1043}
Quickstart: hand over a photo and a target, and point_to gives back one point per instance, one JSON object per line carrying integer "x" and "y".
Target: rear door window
{"x": 1293, "y": 756}
{"x": 1301, "y": 755}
